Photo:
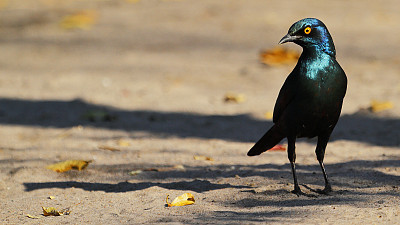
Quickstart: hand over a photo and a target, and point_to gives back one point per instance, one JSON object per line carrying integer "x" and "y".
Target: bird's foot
{"x": 298, "y": 192}
{"x": 326, "y": 191}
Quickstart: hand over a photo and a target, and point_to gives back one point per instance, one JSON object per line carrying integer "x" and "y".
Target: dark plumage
{"x": 310, "y": 101}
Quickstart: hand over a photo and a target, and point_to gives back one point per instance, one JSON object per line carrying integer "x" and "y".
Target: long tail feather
{"x": 269, "y": 140}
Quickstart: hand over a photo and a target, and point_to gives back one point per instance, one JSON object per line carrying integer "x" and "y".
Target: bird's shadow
{"x": 362, "y": 126}
{"x": 198, "y": 186}
{"x": 350, "y": 176}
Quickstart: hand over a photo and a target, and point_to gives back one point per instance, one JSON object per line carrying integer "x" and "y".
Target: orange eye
{"x": 307, "y": 30}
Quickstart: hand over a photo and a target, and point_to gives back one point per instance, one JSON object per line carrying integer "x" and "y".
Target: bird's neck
{"x": 317, "y": 51}
{"x": 312, "y": 61}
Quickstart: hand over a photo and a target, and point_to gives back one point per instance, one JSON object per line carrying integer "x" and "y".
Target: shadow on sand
{"x": 361, "y": 127}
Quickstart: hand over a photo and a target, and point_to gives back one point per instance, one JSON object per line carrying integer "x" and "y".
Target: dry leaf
{"x": 51, "y": 211}
{"x": 185, "y": 199}
{"x": 68, "y": 165}
{"x": 377, "y": 106}
{"x": 109, "y": 148}
{"x": 32, "y": 217}
{"x": 52, "y": 197}
{"x": 79, "y": 20}
{"x": 269, "y": 115}
{"x": 278, "y": 148}
{"x": 278, "y": 56}
{"x": 202, "y": 157}
{"x": 235, "y": 98}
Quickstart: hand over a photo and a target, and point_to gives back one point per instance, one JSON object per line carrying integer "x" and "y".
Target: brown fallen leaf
{"x": 202, "y": 157}
{"x": 377, "y": 106}
{"x": 51, "y": 211}
{"x": 68, "y": 165}
{"x": 109, "y": 148}
{"x": 185, "y": 199}
{"x": 79, "y": 20}
{"x": 235, "y": 98}
{"x": 278, "y": 148}
{"x": 278, "y": 56}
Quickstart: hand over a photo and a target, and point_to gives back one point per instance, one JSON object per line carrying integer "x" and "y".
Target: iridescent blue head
{"x": 310, "y": 33}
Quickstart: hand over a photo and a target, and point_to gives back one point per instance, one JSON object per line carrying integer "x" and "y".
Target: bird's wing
{"x": 286, "y": 95}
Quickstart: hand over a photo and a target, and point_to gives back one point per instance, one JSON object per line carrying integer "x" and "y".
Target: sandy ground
{"x": 160, "y": 70}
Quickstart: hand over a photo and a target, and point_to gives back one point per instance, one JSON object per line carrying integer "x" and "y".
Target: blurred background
{"x": 178, "y": 55}
{"x": 181, "y": 56}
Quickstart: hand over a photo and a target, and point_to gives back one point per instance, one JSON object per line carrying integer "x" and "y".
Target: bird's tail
{"x": 269, "y": 140}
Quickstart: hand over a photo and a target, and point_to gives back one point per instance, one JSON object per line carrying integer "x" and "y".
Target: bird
{"x": 310, "y": 101}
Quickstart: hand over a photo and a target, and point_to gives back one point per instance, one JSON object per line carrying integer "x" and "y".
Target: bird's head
{"x": 310, "y": 33}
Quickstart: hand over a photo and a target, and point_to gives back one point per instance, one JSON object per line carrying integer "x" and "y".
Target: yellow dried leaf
{"x": 68, "y": 165}
{"x": 235, "y": 98}
{"x": 79, "y": 20}
{"x": 377, "y": 106}
{"x": 202, "y": 157}
{"x": 52, "y": 197}
{"x": 278, "y": 56}
{"x": 51, "y": 211}
{"x": 269, "y": 115}
{"x": 185, "y": 199}
{"x": 32, "y": 217}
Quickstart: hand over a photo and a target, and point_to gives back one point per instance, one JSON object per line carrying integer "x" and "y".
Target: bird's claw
{"x": 298, "y": 192}
{"x": 326, "y": 191}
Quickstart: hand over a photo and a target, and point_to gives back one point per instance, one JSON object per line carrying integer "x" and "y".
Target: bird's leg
{"x": 328, "y": 187}
{"x": 320, "y": 152}
{"x": 292, "y": 159}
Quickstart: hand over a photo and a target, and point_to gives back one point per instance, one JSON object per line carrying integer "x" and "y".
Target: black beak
{"x": 288, "y": 38}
